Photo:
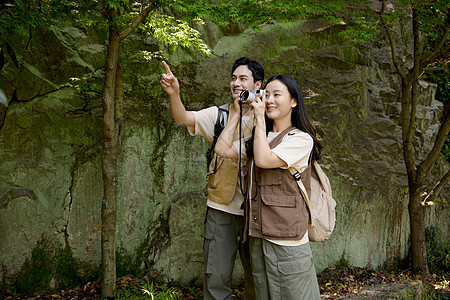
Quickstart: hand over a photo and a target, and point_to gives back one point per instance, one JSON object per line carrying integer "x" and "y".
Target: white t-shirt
{"x": 205, "y": 120}
{"x": 294, "y": 149}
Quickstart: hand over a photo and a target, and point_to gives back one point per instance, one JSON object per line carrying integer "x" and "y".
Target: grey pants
{"x": 223, "y": 233}
{"x": 283, "y": 272}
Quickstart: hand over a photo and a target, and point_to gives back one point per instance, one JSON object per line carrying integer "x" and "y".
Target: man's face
{"x": 241, "y": 80}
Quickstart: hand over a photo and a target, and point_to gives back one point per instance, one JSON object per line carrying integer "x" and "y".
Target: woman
{"x": 276, "y": 213}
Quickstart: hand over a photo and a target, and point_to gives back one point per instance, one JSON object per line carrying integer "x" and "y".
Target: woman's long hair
{"x": 299, "y": 118}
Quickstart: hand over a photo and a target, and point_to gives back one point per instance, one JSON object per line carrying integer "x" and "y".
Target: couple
{"x": 272, "y": 239}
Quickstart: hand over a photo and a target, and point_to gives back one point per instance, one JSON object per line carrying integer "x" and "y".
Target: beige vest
{"x": 223, "y": 172}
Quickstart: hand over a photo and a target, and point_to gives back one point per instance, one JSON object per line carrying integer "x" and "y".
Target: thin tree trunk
{"x": 112, "y": 137}
{"x": 109, "y": 169}
{"x": 417, "y": 227}
{"x": 416, "y": 209}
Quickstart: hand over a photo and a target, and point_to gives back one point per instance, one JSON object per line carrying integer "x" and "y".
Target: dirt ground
{"x": 335, "y": 283}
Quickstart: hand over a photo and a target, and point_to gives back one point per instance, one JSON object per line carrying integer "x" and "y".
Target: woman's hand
{"x": 259, "y": 107}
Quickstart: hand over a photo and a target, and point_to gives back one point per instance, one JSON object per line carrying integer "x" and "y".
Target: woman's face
{"x": 279, "y": 102}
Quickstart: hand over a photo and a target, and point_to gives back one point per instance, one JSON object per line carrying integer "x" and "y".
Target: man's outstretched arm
{"x": 170, "y": 84}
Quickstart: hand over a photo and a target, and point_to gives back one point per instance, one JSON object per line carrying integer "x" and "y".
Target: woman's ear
{"x": 293, "y": 102}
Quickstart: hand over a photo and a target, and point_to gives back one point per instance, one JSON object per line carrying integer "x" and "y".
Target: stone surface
{"x": 388, "y": 291}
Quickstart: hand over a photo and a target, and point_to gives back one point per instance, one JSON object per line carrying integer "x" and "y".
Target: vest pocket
{"x": 221, "y": 185}
{"x": 212, "y": 179}
{"x": 279, "y": 200}
{"x": 271, "y": 177}
{"x": 279, "y": 215}
{"x": 215, "y": 164}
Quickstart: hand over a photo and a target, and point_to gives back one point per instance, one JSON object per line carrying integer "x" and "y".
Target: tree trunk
{"x": 112, "y": 138}
{"x": 415, "y": 209}
{"x": 109, "y": 169}
{"x": 417, "y": 227}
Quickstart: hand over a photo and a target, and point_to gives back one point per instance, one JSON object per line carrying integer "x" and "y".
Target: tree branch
{"x": 437, "y": 188}
{"x": 437, "y": 50}
{"x": 408, "y": 153}
{"x": 141, "y": 17}
{"x": 390, "y": 40}
{"x": 425, "y": 166}
{"x": 414, "y": 75}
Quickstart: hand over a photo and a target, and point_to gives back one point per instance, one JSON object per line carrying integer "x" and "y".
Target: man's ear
{"x": 258, "y": 85}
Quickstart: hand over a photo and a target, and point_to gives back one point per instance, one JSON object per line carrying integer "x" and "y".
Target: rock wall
{"x": 50, "y": 145}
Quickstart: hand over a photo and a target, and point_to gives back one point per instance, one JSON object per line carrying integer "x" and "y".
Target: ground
{"x": 335, "y": 283}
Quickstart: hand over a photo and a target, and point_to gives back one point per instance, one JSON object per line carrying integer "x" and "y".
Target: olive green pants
{"x": 283, "y": 272}
{"x": 223, "y": 235}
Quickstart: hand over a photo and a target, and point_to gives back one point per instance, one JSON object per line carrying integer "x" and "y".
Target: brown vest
{"x": 278, "y": 208}
{"x": 223, "y": 172}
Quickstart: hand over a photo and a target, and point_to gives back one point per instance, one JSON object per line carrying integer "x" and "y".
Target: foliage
{"x": 162, "y": 293}
{"x": 440, "y": 74}
{"x": 334, "y": 283}
{"x": 426, "y": 291}
{"x": 361, "y": 30}
{"x": 433, "y": 18}
{"x": 253, "y": 13}
{"x": 23, "y": 16}
{"x": 438, "y": 252}
{"x": 173, "y": 33}
{"x": 129, "y": 288}
{"x": 88, "y": 84}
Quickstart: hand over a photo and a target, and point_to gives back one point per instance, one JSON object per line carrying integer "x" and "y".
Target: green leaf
{"x": 2, "y": 59}
{"x": 11, "y": 54}
{"x": 3, "y": 99}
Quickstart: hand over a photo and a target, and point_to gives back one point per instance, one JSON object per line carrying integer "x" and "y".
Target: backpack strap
{"x": 221, "y": 122}
{"x": 305, "y": 174}
{"x": 297, "y": 175}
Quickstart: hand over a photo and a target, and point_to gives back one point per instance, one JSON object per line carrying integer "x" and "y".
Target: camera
{"x": 249, "y": 96}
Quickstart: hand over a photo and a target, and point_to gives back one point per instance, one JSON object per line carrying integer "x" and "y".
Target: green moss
{"x": 141, "y": 261}
{"x": 37, "y": 271}
{"x": 124, "y": 263}
{"x": 50, "y": 267}
{"x": 66, "y": 269}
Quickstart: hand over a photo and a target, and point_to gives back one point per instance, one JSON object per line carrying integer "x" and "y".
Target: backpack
{"x": 221, "y": 122}
{"x": 319, "y": 199}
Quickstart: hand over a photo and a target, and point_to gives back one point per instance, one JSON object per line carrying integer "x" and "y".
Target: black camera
{"x": 249, "y": 96}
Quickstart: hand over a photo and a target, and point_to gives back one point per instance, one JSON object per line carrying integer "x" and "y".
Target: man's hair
{"x": 256, "y": 69}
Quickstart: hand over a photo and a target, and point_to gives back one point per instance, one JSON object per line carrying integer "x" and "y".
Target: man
{"x": 224, "y": 220}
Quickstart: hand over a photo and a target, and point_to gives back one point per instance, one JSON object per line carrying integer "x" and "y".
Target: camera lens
{"x": 244, "y": 95}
